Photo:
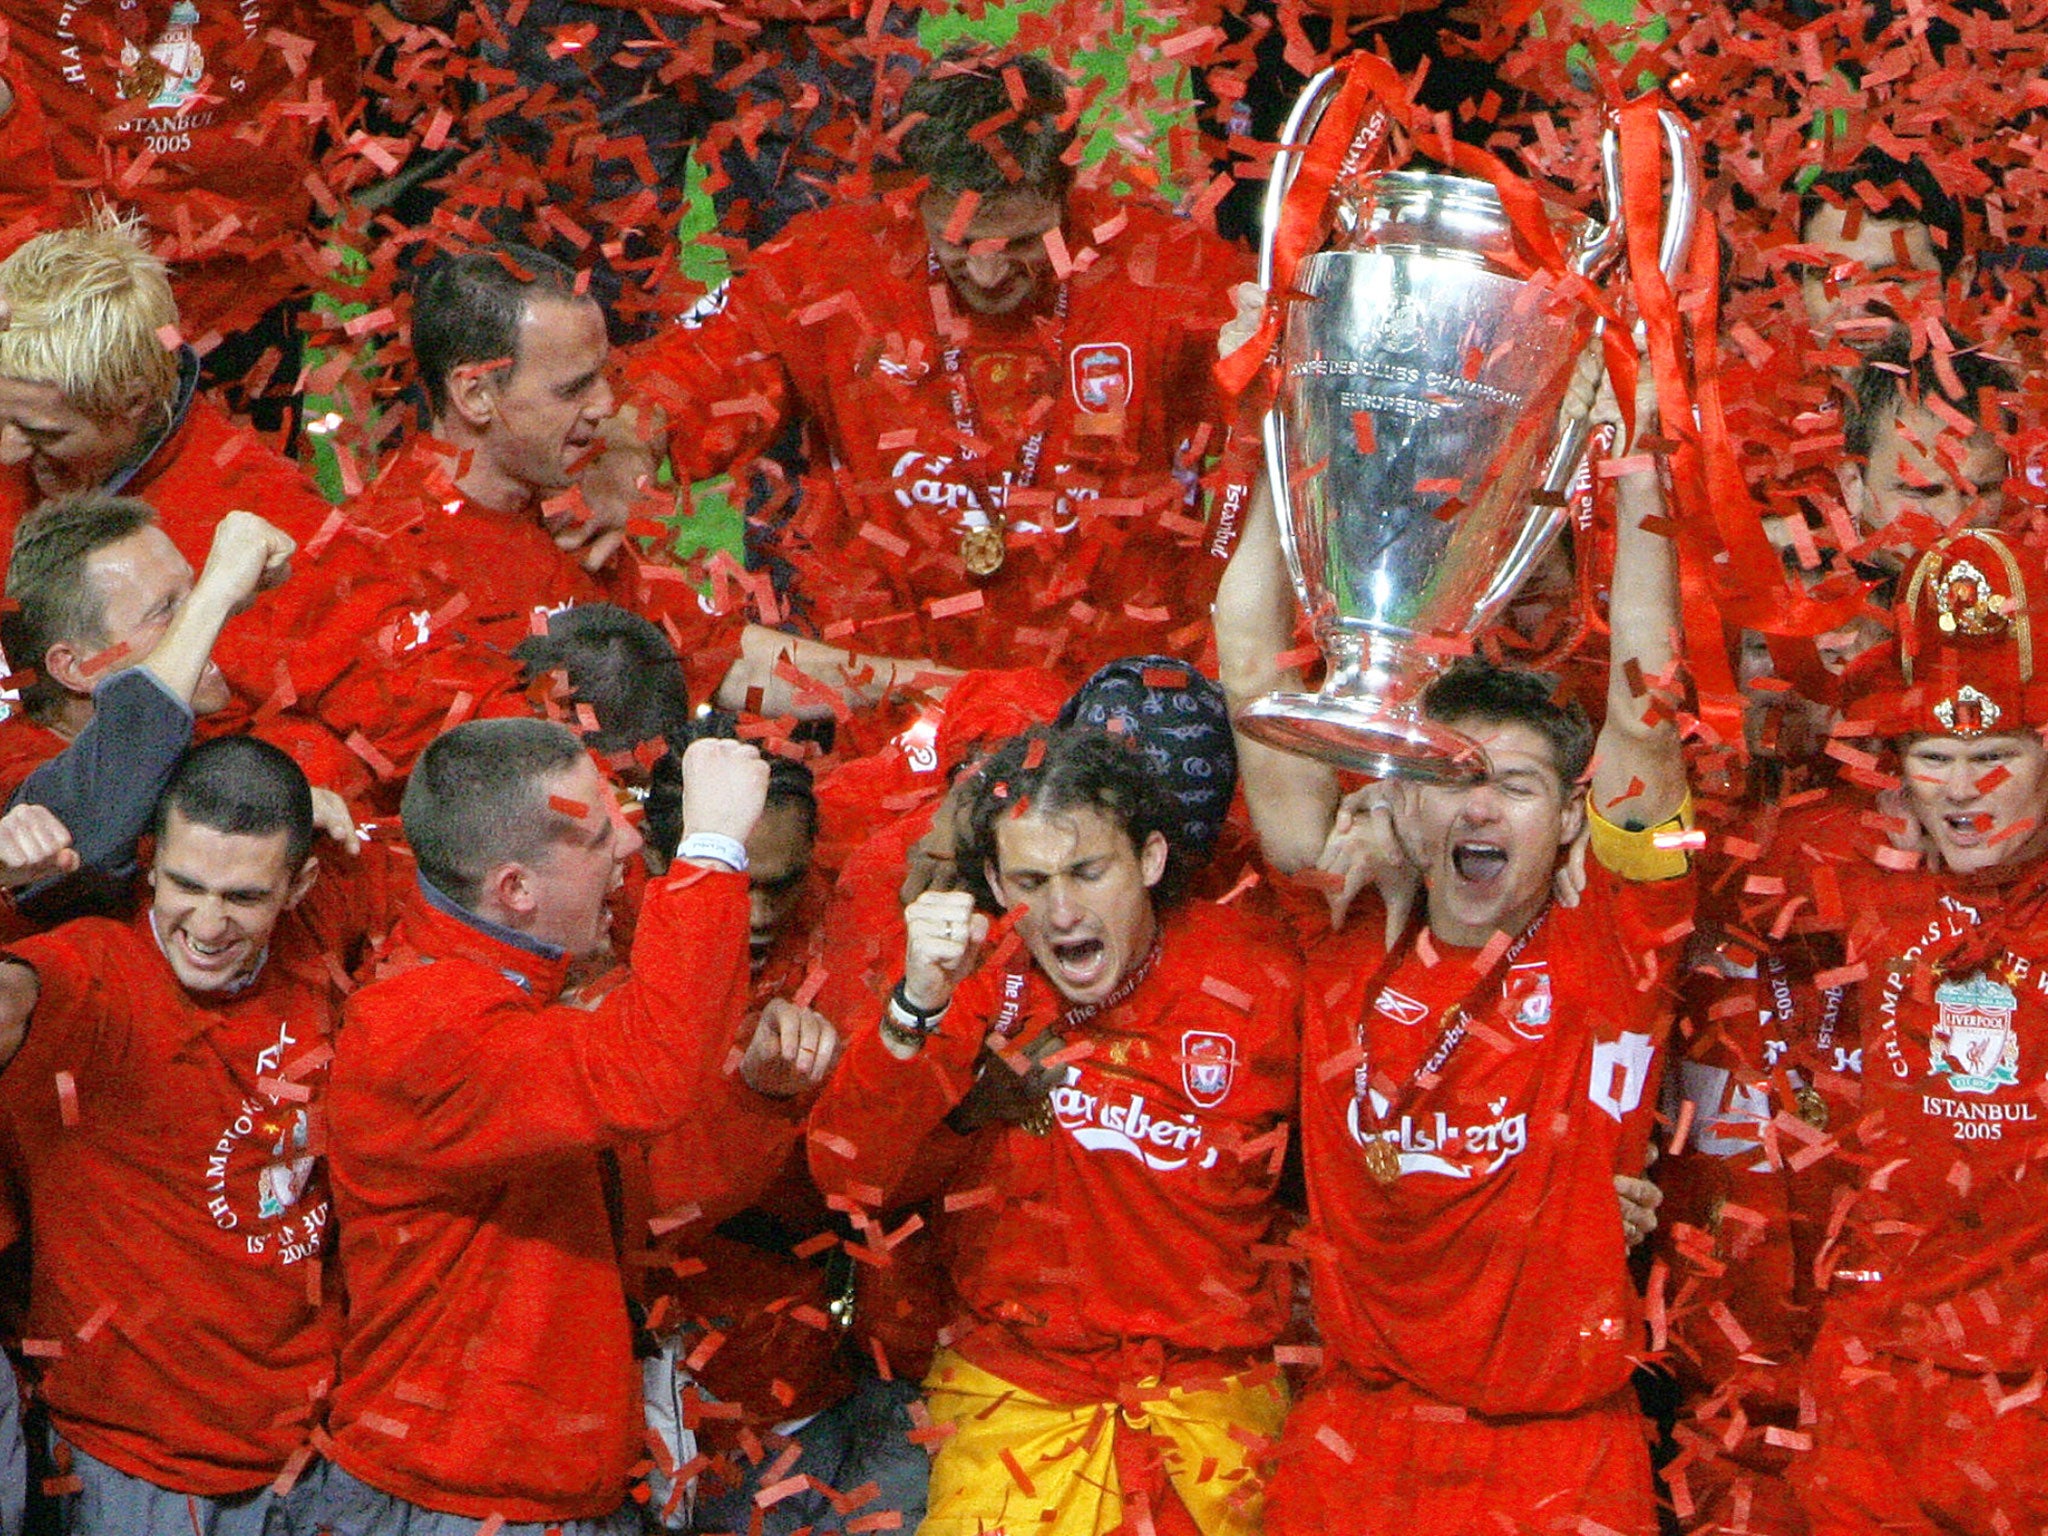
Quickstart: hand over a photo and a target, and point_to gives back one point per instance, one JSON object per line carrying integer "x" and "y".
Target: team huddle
{"x": 508, "y": 1028}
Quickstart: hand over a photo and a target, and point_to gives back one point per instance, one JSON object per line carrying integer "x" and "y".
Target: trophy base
{"x": 1354, "y": 734}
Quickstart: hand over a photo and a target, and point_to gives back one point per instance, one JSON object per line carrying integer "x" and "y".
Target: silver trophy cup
{"x": 1416, "y": 450}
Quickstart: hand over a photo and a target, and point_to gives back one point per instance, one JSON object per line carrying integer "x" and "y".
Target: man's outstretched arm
{"x": 1638, "y": 767}
{"x": 1292, "y": 799}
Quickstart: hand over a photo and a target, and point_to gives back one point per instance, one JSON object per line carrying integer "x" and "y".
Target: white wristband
{"x": 716, "y": 846}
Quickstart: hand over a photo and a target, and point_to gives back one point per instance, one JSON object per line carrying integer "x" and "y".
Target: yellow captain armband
{"x": 1662, "y": 852}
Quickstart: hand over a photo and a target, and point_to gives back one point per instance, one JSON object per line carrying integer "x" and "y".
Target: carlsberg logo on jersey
{"x": 1108, "y": 1121}
{"x": 1431, "y": 1143}
{"x": 1975, "y": 1045}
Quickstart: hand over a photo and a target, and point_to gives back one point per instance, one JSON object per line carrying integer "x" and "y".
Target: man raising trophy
{"x": 1478, "y": 1059}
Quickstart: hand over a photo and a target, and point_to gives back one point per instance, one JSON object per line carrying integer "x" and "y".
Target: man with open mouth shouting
{"x": 1476, "y": 1085}
{"x": 1107, "y": 1221}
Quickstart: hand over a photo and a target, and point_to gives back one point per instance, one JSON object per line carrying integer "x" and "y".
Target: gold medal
{"x": 1813, "y": 1109}
{"x": 1382, "y": 1161}
{"x": 982, "y": 551}
{"x": 1039, "y": 1118}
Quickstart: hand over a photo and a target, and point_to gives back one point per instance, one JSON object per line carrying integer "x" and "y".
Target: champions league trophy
{"x": 1422, "y": 377}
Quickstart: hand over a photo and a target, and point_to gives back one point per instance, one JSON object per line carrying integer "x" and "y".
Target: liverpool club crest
{"x": 1101, "y": 376}
{"x": 1208, "y": 1066}
{"x": 1975, "y": 1044}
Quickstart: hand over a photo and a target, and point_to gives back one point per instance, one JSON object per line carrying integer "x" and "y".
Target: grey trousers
{"x": 112, "y": 1503}
{"x": 351, "y": 1507}
{"x": 862, "y": 1438}
{"x": 13, "y": 1454}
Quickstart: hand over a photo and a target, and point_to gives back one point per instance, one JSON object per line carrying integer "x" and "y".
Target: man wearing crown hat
{"x": 1927, "y": 1373}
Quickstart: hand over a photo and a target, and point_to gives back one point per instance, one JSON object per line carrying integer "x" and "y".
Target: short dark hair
{"x": 477, "y": 798}
{"x": 468, "y": 308}
{"x": 619, "y": 664}
{"x": 1478, "y": 690}
{"x": 1890, "y": 377}
{"x": 965, "y": 90}
{"x": 1046, "y": 771}
{"x": 1910, "y": 194}
{"x": 49, "y": 597}
{"x": 792, "y": 783}
{"x": 1180, "y": 720}
{"x": 242, "y": 786}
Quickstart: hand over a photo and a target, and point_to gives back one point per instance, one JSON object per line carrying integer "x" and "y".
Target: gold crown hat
{"x": 1966, "y": 651}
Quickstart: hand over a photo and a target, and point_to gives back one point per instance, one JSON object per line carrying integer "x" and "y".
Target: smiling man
{"x": 165, "y": 1083}
{"x": 1476, "y": 1084}
{"x": 1003, "y": 377}
{"x": 1929, "y": 1276}
{"x": 1105, "y": 1231}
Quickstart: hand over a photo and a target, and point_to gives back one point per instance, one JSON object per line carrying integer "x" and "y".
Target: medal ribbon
{"x": 960, "y": 398}
{"x": 1449, "y": 1037}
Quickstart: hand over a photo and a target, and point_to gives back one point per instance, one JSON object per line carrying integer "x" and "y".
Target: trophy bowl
{"x": 1418, "y": 447}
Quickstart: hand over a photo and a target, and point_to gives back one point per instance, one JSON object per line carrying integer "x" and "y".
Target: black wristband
{"x": 910, "y": 1018}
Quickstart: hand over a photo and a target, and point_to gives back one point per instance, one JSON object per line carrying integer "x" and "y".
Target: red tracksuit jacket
{"x": 487, "y": 1362}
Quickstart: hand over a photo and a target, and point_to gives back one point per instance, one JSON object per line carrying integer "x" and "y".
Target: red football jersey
{"x": 1491, "y": 1272}
{"x": 1126, "y": 1243}
{"x": 404, "y": 621}
{"x": 1108, "y": 552}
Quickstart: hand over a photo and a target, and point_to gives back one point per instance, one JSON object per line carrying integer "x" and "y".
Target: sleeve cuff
{"x": 137, "y": 677}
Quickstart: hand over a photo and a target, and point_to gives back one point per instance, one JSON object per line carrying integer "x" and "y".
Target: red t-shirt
{"x": 1106, "y": 556}
{"x": 1770, "y": 1062}
{"x": 170, "y": 1148}
{"x": 1491, "y": 1273}
{"x": 487, "y": 1364}
{"x": 201, "y": 114}
{"x": 1938, "y": 1256}
{"x": 1129, "y": 1243}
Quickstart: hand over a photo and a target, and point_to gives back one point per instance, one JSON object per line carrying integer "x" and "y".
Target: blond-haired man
{"x": 92, "y": 398}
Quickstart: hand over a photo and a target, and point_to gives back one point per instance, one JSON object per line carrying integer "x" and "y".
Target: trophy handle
{"x": 1308, "y": 110}
{"x": 1547, "y": 517}
{"x": 1683, "y": 209}
{"x": 1679, "y": 213}
{"x": 1276, "y": 481}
